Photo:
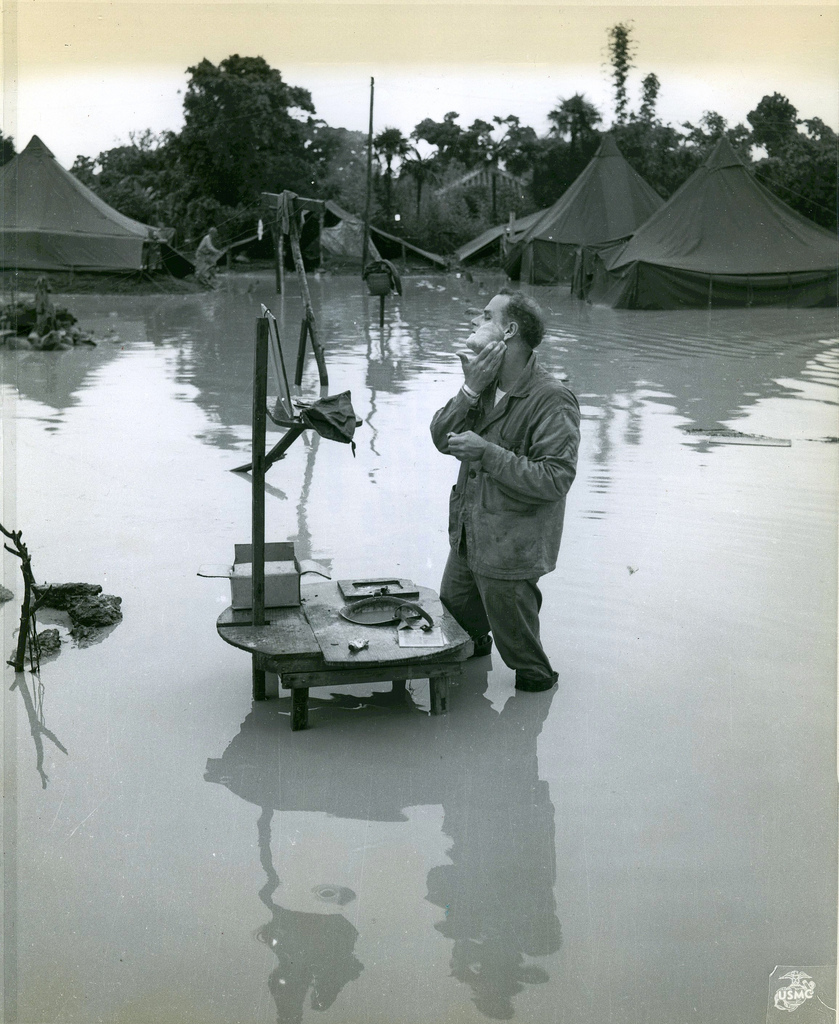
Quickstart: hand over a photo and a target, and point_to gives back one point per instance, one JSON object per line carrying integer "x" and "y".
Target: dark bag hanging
{"x": 333, "y": 418}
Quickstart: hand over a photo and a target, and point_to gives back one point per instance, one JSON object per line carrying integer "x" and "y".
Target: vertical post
{"x": 301, "y": 352}
{"x": 260, "y": 389}
{"x": 281, "y": 253}
{"x": 321, "y": 217}
{"x": 309, "y": 313}
{"x": 381, "y": 311}
{"x": 366, "y": 243}
{"x": 277, "y": 240}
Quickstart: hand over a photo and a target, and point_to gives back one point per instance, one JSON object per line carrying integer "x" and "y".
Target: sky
{"x": 83, "y": 76}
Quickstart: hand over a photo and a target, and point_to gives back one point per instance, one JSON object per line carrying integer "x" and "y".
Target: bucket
{"x": 378, "y": 284}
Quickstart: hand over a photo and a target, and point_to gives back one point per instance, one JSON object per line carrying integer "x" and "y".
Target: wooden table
{"x": 308, "y": 646}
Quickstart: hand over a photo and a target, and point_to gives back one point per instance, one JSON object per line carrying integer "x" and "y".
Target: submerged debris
{"x": 89, "y": 609}
{"x": 49, "y": 641}
{"x": 38, "y": 324}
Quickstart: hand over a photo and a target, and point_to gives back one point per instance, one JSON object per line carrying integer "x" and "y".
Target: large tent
{"x": 605, "y": 204}
{"x": 721, "y": 240}
{"x": 50, "y": 221}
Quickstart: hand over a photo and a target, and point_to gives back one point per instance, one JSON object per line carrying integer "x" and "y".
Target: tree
{"x": 774, "y": 123}
{"x": 517, "y": 147}
{"x": 575, "y": 118}
{"x": 7, "y": 148}
{"x": 421, "y": 169}
{"x": 801, "y": 167}
{"x": 138, "y": 179}
{"x": 649, "y": 97}
{"x": 621, "y": 52}
{"x": 710, "y": 128}
{"x": 389, "y": 144}
{"x": 240, "y": 135}
{"x": 445, "y": 135}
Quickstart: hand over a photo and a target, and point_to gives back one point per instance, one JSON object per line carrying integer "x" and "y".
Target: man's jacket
{"x": 510, "y": 505}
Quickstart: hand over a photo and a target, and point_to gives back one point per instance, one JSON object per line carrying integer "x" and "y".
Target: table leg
{"x": 258, "y": 681}
{"x": 299, "y": 708}
{"x": 439, "y": 689}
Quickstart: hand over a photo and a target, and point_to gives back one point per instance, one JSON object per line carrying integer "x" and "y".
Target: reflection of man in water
{"x": 206, "y": 257}
{"x": 515, "y": 430}
{"x": 494, "y": 887}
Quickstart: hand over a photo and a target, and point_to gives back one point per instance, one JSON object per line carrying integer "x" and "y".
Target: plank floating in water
{"x": 735, "y": 437}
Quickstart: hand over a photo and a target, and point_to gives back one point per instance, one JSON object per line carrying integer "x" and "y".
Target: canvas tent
{"x": 338, "y": 244}
{"x": 721, "y": 240}
{"x": 50, "y": 221}
{"x": 494, "y": 239}
{"x": 605, "y": 204}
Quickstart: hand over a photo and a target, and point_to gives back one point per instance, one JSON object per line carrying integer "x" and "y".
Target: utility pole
{"x": 366, "y": 244}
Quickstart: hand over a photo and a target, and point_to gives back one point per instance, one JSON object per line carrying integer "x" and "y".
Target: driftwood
{"x": 28, "y": 633}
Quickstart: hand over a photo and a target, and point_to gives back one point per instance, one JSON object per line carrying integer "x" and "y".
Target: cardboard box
{"x": 282, "y": 576}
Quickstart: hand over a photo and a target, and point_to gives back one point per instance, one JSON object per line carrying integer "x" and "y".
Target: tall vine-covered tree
{"x": 649, "y": 98}
{"x": 241, "y": 135}
{"x": 621, "y": 52}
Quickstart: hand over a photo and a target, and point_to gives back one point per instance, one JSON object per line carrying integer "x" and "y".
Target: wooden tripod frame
{"x": 286, "y": 209}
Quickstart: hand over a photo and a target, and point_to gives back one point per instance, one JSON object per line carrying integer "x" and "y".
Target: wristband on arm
{"x": 470, "y": 395}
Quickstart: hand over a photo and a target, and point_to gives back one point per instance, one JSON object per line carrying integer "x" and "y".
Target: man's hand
{"x": 480, "y": 370}
{"x": 468, "y": 446}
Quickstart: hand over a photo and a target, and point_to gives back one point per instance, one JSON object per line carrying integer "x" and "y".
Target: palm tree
{"x": 389, "y": 144}
{"x": 575, "y": 117}
{"x": 421, "y": 169}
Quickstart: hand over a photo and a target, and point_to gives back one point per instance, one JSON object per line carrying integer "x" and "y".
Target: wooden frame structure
{"x": 284, "y": 211}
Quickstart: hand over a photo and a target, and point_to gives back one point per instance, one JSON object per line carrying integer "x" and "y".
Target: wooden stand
{"x": 287, "y": 208}
{"x": 288, "y": 645}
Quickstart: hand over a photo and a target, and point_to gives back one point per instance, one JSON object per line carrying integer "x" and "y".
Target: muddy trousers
{"x": 509, "y": 608}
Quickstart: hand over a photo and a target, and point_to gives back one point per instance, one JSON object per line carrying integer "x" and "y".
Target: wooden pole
{"x": 366, "y": 243}
{"x": 277, "y": 239}
{"x": 381, "y": 311}
{"x": 321, "y": 217}
{"x": 309, "y": 313}
{"x": 301, "y": 352}
{"x": 260, "y": 389}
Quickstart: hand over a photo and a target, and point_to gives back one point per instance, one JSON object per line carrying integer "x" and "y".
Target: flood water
{"x": 643, "y": 844}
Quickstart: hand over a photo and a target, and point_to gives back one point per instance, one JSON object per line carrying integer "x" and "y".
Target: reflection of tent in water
{"x": 495, "y": 891}
{"x": 605, "y": 204}
{"x": 51, "y": 221}
{"x": 339, "y": 242}
{"x": 721, "y": 240}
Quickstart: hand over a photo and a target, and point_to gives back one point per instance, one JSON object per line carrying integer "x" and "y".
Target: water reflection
{"x": 711, "y": 366}
{"x": 33, "y": 702}
{"x": 314, "y": 951}
{"x": 496, "y": 890}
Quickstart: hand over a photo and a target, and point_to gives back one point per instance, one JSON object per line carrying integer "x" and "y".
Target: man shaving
{"x": 515, "y": 430}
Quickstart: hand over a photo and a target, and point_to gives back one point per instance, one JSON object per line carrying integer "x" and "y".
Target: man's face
{"x": 489, "y": 324}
